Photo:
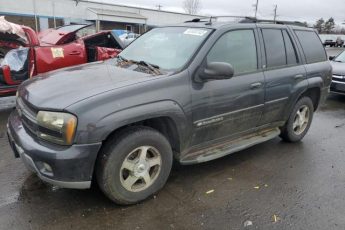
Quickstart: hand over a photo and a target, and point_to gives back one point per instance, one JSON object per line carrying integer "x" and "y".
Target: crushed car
{"x": 25, "y": 53}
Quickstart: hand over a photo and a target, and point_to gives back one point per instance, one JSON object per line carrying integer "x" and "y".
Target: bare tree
{"x": 192, "y": 6}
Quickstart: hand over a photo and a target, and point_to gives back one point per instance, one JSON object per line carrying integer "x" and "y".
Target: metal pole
{"x": 275, "y": 13}
{"x": 256, "y": 7}
{"x": 35, "y": 14}
{"x": 54, "y": 15}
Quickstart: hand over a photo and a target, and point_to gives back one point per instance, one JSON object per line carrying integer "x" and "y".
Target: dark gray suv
{"x": 192, "y": 92}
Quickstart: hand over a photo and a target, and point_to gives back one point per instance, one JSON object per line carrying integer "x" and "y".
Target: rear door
{"x": 284, "y": 72}
{"x": 55, "y": 57}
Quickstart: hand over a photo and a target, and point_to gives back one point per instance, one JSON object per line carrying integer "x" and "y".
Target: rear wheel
{"x": 299, "y": 121}
{"x": 134, "y": 165}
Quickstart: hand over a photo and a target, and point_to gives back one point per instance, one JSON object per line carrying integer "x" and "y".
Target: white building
{"x": 43, "y": 14}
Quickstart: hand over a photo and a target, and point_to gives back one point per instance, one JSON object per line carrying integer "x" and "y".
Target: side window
{"x": 291, "y": 56}
{"x": 312, "y": 46}
{"x": 275, "y": 48}
{"x": 237, "y": 48}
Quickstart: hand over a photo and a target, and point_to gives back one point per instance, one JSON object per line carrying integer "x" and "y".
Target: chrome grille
{"x": 338, "y": 78}
{"x": 28, "y": 115}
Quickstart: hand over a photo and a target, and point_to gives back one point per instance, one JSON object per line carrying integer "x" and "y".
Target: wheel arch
{"x": 314, "y": 94}
{"x": 167, "y": 117}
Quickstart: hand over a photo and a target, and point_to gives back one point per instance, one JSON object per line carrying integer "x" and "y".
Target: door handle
{"x": 74, "y": 52}
{"x": 299, "y": 77}
{"x": 256, "y": 85}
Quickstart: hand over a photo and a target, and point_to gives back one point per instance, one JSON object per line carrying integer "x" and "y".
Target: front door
{"x": 55, "y": 57}
{"x": 222, "y": 108}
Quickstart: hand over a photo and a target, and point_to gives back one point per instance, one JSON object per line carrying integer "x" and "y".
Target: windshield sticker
{"x": 195, "y": 32}
{"x": 57, "y": 52}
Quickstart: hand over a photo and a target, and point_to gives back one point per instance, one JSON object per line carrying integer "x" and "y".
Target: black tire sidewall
{"x": 117, "y": 153}
{"x": 290, "y": 134}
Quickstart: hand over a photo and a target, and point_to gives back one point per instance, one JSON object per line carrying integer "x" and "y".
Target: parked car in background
{"x": 192, "y": 92}
{"x": 329, "y": 42}
{"x": 128, "y": 38}
{"x": 27, "y": 54}
{"x": 339, "y": 42}
{"x": 338, "y": 78}
{"x": 332, "y": 40}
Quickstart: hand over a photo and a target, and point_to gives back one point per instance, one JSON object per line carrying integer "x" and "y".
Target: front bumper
{"x": 337, "y": 87}
{"x": 69, "y": 167}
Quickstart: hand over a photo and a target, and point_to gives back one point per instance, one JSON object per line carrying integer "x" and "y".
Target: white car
{"x": 128, "y": 38}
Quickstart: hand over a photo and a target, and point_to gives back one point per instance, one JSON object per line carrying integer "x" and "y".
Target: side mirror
{"x": 331, "y": 58}
{"x": 216, "y": 71}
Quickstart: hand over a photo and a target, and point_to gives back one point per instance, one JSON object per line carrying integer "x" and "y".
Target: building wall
{"x": 119, "y": 26}
{"x": 70, "y": 12}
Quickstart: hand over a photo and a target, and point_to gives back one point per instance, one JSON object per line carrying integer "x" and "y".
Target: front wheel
{"x": 299, "y": 121}
{"x": 134, "y": 165}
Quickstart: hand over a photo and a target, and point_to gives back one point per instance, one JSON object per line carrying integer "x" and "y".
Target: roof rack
{"x": 255, "y": 20}
{"x": 211, "y": 19}
{"x": 245, "y": 19}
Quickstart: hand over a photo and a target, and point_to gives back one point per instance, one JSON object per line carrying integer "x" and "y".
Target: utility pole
{"x": 256, "y": 7}
{"x": 54, "y": 15}
{"x": 35, "y": 15}
{"x": 275, "y": 13}
{"x": 159, "y": 6}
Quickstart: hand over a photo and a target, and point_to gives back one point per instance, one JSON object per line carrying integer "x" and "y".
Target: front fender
{"x": 100, "y": 130}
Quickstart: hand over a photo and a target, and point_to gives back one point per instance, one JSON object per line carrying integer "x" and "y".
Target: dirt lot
{"x": 274, "y": 185}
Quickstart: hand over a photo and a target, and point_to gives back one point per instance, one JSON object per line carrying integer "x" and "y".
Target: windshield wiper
{"x": 121, "y": 58}
{"x": 154, "y": 68}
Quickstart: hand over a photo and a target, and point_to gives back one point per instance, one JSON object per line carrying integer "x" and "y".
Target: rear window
{"x": 312, "y": 46}
{"x": 275, "y": 49}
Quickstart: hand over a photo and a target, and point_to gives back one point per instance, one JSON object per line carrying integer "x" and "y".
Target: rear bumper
{"x": 68, "y": 167}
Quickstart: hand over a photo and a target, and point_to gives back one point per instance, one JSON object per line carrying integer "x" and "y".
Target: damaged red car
{"x": 24, "y": 53}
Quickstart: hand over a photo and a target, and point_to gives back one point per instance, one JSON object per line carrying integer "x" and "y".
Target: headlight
{"x": 56, "y": 127}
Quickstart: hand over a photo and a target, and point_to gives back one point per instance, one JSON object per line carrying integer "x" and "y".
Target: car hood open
{"x": 62, "y": 88}
{"x": 60, "y": 35}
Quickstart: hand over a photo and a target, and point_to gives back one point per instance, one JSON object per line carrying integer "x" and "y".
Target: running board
{"x": 220, "y": 150}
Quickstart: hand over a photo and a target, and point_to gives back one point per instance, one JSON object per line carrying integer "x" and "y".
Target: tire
{"x": 123, "y": 169}
{"x": 294, "y": 130}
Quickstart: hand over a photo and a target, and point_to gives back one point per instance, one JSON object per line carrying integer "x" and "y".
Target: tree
{"x": 329, "y": 25}
{"x": 319, "y": 25}
{"x": 192, "y": 6}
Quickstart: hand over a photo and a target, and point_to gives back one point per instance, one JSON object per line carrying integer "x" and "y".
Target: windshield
{"x": 340, "y": 57}
{"x": 169, "y": 48}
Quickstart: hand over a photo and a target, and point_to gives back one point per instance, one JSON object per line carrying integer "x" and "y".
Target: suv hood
{"x": 62, "y": 88}
{"x": 338, "y": 68}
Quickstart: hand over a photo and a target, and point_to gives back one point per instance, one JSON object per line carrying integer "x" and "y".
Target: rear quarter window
{"x": 312, "y": 46}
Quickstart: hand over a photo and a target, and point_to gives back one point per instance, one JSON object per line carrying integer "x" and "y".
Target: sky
{"x": 297, "y": 10}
